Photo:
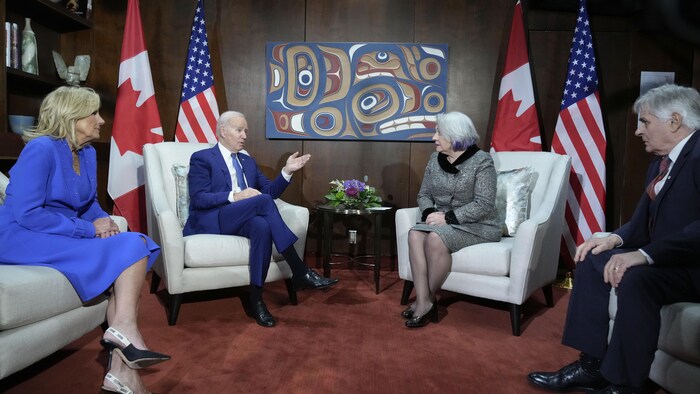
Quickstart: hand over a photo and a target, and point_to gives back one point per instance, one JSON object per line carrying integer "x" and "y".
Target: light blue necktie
{"x": 239, "y": 171}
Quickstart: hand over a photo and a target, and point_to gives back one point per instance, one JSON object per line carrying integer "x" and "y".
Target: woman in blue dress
{"x": 51, "y": 218}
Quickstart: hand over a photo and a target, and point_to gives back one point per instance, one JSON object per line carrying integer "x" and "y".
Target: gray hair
{"x": 458, "y": 129}
{"x": 664, "y": 100}
{"x": 224, "y": 118}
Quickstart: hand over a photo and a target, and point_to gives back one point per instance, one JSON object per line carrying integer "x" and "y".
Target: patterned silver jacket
{"x": 470, "y": 193}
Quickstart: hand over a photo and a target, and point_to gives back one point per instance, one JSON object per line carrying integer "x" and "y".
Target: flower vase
{"x": 30, "y": 62}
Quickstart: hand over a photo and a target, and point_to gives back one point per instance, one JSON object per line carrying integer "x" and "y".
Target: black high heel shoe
{"x": 407, "y": 313}
{"x": 420, "y": 321}
{"x": 133, "y": 357}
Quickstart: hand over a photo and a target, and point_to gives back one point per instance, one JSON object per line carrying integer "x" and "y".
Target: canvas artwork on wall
{"x": 354, "y": 91}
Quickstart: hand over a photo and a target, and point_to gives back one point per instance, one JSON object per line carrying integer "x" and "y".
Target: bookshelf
{"x": 21, "y": 93}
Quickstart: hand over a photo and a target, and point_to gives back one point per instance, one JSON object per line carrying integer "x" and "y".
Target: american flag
{"x": 580, "y": 134}
{"x": 196, "y": 119}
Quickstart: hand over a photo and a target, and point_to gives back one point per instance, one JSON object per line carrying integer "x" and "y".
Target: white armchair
{"x": 202, "y": 261}
{"x": 512, "y": 269}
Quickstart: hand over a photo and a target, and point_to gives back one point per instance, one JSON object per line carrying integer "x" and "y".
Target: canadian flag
{"x": 136, "y": 122}
{"x": 517, "y": 127}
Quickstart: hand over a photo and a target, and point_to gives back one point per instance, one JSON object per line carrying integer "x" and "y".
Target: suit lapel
{"x": 220, "y": 166}
{"x": 678, "y": 166}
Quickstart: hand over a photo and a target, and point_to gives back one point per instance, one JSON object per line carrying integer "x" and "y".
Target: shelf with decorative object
{"x": 52, "y": 15}
{"x": 30, "y": 83}
{"x": 55, "y": 28}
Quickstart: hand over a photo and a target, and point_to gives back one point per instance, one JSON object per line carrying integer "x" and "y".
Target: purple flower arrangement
{"x": 352, "y": 194}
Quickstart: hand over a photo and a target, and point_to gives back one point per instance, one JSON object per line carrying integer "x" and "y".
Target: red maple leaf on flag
{"x": 139, "y": 121}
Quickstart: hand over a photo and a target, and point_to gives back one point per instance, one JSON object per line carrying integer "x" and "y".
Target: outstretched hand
{"x": 295, "y": 162}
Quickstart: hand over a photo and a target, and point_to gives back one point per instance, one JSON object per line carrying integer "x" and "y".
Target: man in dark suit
{"x": 651, "y": 261}
{"x": 230, "y": 195}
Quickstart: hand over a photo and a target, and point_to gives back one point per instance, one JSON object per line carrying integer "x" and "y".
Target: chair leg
{"x": 407, "y": 289}
{"x": 290, "y": 290}
{"x": 174, "y": 310}
{"x": 515, "y": 319}
{"x": 155, "y": 281}
{"x": 548, "y": 298}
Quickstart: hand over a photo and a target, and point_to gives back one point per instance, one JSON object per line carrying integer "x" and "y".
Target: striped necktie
{"x": 663, "y": 170}
{"x": 239, "y": 171}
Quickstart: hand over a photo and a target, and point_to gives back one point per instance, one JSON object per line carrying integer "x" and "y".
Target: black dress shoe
{"x": 261, "y": 315}
{"x": 312, "y": 280}
{"x": 420, "y": 321}
{"x": 570, "y": 378}
{"x": 407, "y": 313}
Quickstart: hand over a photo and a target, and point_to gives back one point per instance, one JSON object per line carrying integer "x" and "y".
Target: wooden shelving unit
{"x": 21, "y": 92}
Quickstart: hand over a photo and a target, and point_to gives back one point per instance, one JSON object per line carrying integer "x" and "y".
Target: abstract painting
{"x": 354, "y": 91}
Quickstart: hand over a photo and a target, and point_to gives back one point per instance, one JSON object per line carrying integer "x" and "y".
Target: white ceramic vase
{"x": 30, "y": 62}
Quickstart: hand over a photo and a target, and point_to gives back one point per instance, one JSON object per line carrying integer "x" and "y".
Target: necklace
{"x": 76, "y": 162}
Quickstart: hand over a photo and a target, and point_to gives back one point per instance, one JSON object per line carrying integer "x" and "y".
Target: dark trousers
{"x": 627, "y": 356}
{"x": 258, "y": 219}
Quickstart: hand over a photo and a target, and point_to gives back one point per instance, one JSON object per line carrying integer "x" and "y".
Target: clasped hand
{"x": 105, "y": 227}
{"x": 246, "y": 193}
{"x": 618, "y": 264}
{"x": 436, "y": 219}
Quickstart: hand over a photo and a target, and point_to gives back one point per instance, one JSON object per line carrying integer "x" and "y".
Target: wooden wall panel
{"x": 244, "y": 29}
{"x": 350, "y": 21}
{"x": 696, "y": 68}
{"x": 384, "y": 163}
{"x": 649, "y": 52}
{"x": 613, "y": 50}
{"x": 475, "y": 33}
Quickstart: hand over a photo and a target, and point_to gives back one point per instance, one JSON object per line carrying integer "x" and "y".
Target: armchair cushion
{"x": 471, "y": 260}
{"x": 513, "y": 197}
{"x": 182, "y": 198}
{"x": 213, "y": 250}
{"x": 30, "y": 294}
{"x": 3, "y": 185}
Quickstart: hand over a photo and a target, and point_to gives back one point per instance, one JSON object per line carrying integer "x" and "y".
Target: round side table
{"x": 328, "y": 215}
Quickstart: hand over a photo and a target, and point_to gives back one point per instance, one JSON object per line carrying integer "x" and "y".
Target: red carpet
{"x": 345, "y": 340}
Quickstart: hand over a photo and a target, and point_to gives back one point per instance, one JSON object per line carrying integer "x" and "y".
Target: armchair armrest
{"x": 172, "y": 244}
{"x": 405, "y": 219}
{"x": 120, "y": 222}
{"x": 297, "y": 219}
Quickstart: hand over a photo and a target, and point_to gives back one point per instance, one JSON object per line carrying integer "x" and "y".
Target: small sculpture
{"x": 74, "y": 74}
{"x": 72, "y": 6}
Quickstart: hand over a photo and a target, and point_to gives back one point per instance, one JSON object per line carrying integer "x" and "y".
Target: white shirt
{"x": 226, "y": 154}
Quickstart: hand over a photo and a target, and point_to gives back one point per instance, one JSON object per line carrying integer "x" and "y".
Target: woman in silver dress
{"x": 458, "y": 203}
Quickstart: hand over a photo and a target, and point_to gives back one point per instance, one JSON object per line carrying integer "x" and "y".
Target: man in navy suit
{"x": 651, "y": 261}
{"x": 230, "y": 195}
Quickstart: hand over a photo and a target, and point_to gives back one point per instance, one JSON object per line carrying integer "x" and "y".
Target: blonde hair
{"x": 60, "y": 110}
